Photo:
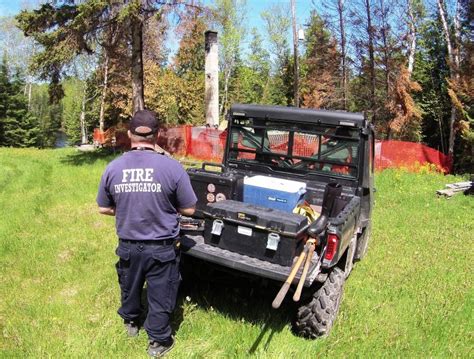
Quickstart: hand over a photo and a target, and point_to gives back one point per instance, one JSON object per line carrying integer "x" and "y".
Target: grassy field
{"x": 411, "y": 297}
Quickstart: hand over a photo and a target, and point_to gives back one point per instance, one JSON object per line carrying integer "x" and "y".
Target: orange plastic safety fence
{"x": 410, "y": 155}
{"x": 208, "y": 144}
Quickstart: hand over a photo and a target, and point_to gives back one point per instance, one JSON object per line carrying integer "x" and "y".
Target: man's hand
{"x": 187, "y": 211}
{"x": 108, "y": 211}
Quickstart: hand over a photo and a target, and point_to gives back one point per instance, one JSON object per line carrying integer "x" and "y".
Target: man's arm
{"x": 187, "y": 211}
{"x": 109, "y": 211}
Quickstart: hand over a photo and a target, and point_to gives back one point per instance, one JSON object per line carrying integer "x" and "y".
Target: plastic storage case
{"x": 211, "y": 187}
{"x": 255, "y": 231}
{"x": 277, "y": 193}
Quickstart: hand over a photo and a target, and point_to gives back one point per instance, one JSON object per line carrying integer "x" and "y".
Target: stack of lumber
{"x": 454, "y": 188}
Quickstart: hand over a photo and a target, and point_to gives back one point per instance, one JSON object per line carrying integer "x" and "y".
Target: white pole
{"x": 212, "y": 79}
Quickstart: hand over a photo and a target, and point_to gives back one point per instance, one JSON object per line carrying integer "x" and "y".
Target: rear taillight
{"x": 331, "y": 247}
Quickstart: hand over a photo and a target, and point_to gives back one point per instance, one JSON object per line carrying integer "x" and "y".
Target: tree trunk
{"x": 444, "y": 22}
{"x": 340, "y": 9}
{"x": 104, "y": 93}
{"x": 412, "y": 37}
{"x": 83, "y": 118}
{"x": 371, "y": 58}
{"x": 137, "y": 65}
{"x": 29, "y": 95}
{"x": 386, "y": 54}
{"x": 227, "y": 74}
{"x": 441, "y": 135}
{"x": 457, "y": 38}
{"x": 295, "y": 54}
{"x": 454, "y": 73}
{"x": 452, "y": 121}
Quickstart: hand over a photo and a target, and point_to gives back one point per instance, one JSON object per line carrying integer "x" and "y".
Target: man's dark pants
{"x": 157, "y": 263}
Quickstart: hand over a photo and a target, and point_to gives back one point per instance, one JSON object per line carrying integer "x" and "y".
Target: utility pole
{"x": 295, "y": 54}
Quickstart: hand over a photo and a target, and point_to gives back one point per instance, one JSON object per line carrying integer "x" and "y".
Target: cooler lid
{"x": 277, "y": 184}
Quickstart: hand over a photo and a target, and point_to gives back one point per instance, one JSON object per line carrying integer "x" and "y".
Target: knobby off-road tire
{"x": 316, "y": 317}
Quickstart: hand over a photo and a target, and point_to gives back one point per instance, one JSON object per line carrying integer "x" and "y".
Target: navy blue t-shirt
{"x": 146, "y": 189}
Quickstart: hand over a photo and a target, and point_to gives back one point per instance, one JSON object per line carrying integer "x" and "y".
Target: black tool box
{"x": 260, "y": 232}
{"x": 212, "y": 187}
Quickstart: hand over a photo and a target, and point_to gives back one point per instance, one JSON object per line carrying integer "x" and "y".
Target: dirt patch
{"x": 65, "y": 256}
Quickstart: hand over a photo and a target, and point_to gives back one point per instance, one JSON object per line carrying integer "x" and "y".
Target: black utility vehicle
{"x": 278, "y": 158}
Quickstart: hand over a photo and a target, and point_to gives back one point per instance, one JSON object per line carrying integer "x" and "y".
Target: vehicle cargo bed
{"x": 194, "y": 246}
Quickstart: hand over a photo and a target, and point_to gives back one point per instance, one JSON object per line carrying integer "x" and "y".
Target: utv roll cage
{"x": 265, "y": 139}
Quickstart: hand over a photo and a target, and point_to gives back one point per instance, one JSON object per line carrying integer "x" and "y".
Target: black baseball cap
{"x": 144, "y": 123}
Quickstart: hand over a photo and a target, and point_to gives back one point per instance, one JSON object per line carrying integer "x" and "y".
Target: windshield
{"x": 302, "y": 148}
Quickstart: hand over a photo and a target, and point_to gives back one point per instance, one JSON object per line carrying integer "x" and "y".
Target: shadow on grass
{"x": 237, "y": 298}
{"x": 80, "y": 158}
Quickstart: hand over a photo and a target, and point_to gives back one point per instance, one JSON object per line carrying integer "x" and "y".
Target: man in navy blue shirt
{"x": 146, "y": 191}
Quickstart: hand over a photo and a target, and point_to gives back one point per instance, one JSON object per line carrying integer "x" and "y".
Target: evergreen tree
{"x": 431, "y": 71}
{"x": 251, "y": 78}
{"x": 321, "y": 86}
{"x": 176, "y": 92}
{"x": 67, "y": 29}
{"x": 161, "y": 92}
{"x": 277, "y": 26}
{"x": 284, "y": 94}
{"x": 190, "y": 55}
{"x": 4, "y": 91}
{"x": 18, "y": 127}
{"x": 259, "y": 58}
{"x": 71, "y": 108}
{"x": 189, "y": 67}
{"x": 48, "y": 120}
{"x": 256, "y": 75}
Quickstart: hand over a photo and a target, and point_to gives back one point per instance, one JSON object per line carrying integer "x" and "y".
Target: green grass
{"x": 412, "y": 296}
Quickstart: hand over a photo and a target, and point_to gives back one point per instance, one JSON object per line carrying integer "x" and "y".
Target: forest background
{"x": 71, "y": 66}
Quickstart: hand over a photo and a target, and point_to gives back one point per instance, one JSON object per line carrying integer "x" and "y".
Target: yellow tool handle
{"x": 299, "y": 288}
{"x": 284, "y": 288}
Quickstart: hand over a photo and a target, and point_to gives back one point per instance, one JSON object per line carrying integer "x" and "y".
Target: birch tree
{"x": 229, "y": 18}
{"x": 20, "y": 51}
{"x": 277, "y": 26}
{"x": 453, "y": 62}
{"x": 414, "y": 14}
{"x": 84, "y": 66}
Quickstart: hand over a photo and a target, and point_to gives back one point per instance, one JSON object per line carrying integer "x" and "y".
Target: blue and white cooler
{"x": 277, "y": 193}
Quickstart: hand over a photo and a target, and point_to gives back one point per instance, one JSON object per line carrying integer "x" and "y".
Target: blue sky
{"x": 255, "y": 7}
{"x": 9, "y": 7}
